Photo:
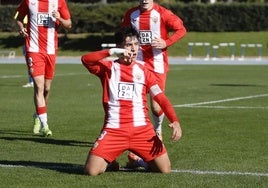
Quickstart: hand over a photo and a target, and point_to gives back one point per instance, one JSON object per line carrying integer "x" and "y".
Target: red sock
{"x": 41, "y": 110}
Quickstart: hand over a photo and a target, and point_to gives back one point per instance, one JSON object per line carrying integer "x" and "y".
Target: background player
{"x": 30, "y": 79}
{"x": 154, "y": 22}
{"x": 41, "y": 42}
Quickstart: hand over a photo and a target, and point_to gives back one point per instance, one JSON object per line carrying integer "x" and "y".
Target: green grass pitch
{"x": 224, "y": 117}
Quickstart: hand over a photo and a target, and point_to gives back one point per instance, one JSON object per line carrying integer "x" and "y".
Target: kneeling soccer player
{"x": 127, "y": 125}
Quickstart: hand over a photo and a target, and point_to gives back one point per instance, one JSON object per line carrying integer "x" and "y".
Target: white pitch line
{"x": 221, "y": 101}
{"x": 258, "y": 174}
{"x": 12, "y": 76}
{"x": 10, "y": 166}
{"x": 222, "y": 172}
{"x": 227, "y": 107}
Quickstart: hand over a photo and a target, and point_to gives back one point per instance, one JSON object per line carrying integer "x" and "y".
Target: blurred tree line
{"x": 103, "y": 18}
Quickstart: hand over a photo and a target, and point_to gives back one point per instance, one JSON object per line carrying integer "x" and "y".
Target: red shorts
{"x": 161, "y": 80}
{"x": 41, "y": 64}
{"x": 141, "y": 140}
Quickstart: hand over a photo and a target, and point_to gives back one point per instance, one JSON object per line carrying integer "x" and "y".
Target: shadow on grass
{"x": 42, "y": 140}
{"x": 60, "y": 167}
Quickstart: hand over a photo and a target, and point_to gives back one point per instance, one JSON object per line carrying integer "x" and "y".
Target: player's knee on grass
{"x": 93, "y": 170}
{"x": 95, "y": 166}
{"x": 160, "y": 164}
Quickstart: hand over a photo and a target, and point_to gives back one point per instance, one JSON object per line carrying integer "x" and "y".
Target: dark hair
{"x": 123, "y": 32}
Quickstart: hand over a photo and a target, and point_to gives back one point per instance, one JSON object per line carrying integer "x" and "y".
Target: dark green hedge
{"x": 88, "y": 18}
{"x": 98, "y": 17}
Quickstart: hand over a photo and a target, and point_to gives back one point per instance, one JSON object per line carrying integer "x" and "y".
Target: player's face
{"x": 131, "y": 44}
{"x": 146, "y": 4}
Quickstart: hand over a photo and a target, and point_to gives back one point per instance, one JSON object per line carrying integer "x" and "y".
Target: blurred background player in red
{"x": 154, "y": 23}
{"x": 127, "y": 126}
{"x": 41, "y": 42}
{"x": 30, "y": 79}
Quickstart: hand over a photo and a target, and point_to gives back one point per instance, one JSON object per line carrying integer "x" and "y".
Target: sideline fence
{"x": 215, "y": 48}
{"x": 199, "y": 44}
{"x": 243, "y": 50}
{"x": 6, "y": 53}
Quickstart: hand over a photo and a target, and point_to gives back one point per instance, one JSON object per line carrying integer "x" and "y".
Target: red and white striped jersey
{"x": 155, "y": 23}
{"x": 124, "y": 94}
{"x": 125, "y": 89}
{"x": 42, "y": 26}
